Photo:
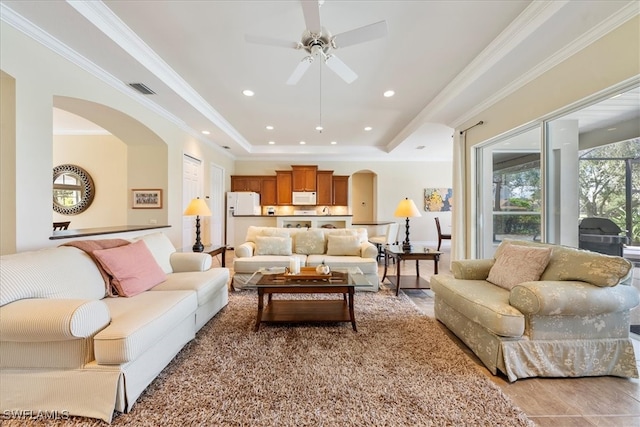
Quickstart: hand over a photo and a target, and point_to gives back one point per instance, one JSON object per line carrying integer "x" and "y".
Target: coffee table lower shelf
{"x": 410, "y": 282}
{"x": 305, "y": 311}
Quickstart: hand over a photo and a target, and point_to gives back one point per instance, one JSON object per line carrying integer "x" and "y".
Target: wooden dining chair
{"x": 441, "y": 236}
{"x": 63, "y": 225}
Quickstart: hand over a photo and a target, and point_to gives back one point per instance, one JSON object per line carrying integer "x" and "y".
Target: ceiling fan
{"x": 318, "y": 43}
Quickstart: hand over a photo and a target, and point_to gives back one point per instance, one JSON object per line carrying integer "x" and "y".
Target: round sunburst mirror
{"x": 73, "y": 189}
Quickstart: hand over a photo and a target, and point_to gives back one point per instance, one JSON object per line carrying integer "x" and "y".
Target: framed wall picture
{"x": 438, "y": 199}
{"x": 147, "y": 198}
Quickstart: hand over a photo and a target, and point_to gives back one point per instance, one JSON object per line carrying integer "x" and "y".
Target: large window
{"x": 510, "y": 206}
{"x": 589, "y": 166}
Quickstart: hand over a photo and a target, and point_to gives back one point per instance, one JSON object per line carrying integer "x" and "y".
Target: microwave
{"x": 304, "y": 198}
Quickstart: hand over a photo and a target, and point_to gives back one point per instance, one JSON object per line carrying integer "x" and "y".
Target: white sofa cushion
{"x": 40, "y": 274}
{"x": 343, "y": 245}
{"x": 205, "y": 283}
{"x": 138, "y": 323}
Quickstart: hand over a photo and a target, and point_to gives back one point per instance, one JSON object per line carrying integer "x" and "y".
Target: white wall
{"x": 40, "y": 75}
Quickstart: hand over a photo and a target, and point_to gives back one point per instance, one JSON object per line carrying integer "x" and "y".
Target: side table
{"x": 418, "y": 253}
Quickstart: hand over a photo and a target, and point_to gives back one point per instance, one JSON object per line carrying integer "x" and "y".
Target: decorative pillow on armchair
{"x": 343, "y": 245}
{"x": 517, "y": 264}
{"x": 268, "y": 245}
{"x": 132, "y": 267}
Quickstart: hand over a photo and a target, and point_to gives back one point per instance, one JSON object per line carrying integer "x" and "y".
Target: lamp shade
{"x": 197, "y": 207}
{"x": 407, "y": 209}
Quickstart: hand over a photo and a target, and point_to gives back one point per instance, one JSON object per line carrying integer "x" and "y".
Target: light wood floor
{"x": 595, "y": 401}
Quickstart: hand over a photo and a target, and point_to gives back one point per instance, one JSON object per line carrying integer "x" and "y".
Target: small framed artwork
{"x": 438, "y": 199}
{"x": 147, "y": 198}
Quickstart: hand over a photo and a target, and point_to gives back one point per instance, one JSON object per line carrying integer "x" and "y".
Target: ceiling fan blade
{"x": 269, "y": 41}
{"x": 340, "y": 68}
{"x": 361, "y": 35}
{"x": 302, "y": 68}
{"x": 311, "y": 11}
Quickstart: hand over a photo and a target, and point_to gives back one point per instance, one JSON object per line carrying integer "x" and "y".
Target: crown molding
{"x": 17, "y": 21}
{"x": 113, "y": 27}
{"x": 616, "y": 20}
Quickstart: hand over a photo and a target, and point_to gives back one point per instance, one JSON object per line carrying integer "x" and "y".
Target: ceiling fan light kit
{"x": 318, "y": 42}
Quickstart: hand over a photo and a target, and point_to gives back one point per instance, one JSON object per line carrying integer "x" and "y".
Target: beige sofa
{"x": 66, "y": 346}
{"x": 267, "y": 247}
{"x": 572, "y": 321}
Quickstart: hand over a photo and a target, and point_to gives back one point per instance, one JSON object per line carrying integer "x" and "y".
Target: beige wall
{"x": 613, "y": 59}
{"x": 40, "y": 76}
{"x": 8, "y": 166}
{"x": 104, "y": 157}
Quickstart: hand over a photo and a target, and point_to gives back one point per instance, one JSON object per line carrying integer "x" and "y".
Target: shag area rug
{"x": 399, "y": 369}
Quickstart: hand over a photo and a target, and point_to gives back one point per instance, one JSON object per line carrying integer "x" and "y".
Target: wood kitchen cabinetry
{"x": 341, "y": 190}
{"x": 304, "y": 178}
{"x": 268, "y": 191}
{"x": 324, "y": 188}
{"x": 284, "y": 188}
{"x": 246, "y": 183}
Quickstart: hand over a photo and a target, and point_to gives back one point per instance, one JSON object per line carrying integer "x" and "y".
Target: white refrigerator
{"x": 240, "y": 203}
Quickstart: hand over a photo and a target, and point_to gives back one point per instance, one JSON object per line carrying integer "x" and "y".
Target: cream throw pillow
{"x": 309, "y": 242}
{"x": 343, "y": 245}
{"x": 517, "y": 264}
{"x": 267, "y": 245}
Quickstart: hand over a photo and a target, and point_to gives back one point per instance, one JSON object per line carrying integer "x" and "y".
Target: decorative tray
{"x": 306, "y": 273}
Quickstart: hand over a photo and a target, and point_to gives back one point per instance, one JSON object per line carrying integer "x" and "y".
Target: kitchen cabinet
{"x": 284, "y": 180}
{"x": 324, "y": 188}
{"x": 268, "y": 191}
{"x": 304, "y": 178}
{"x": 246, "y": 183}
{"x": 341, "y": 190}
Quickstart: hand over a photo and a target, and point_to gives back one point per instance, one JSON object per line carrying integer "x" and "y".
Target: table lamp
{"x": 199, "y": 208}
{"x": 407, "y": 209}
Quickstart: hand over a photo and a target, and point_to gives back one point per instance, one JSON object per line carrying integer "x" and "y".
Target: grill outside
{"x": 601, "y": 235}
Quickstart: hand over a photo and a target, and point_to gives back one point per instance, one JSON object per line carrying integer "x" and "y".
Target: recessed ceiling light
{"x": 269, "y": 127}
{"x": 333, "y": 142}
{"x": 610, "y": 129}
{"x": 302, "y": 142}
{"x": 319, "y": 128}
{"x": 420, "y": 147}
{"x": 248, "y": 92}
{"x": 389, "y": 94}
{"x": 368, "y": 128}
{"x": 226, "y": 147}
{"x": 272, "y": 142}
{"x": 205, "y": 132}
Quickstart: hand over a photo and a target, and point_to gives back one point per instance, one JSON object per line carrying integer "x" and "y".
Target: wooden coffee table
{"x": 340, "y": 282}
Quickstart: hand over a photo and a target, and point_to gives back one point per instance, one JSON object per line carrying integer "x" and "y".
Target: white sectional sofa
{"x": 267, "y": 247}
{"x": 67, "y": 346}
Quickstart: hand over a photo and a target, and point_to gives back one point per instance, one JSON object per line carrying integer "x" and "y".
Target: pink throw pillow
{"x": 517, "y": 264}
{"x": 133, "y": 268}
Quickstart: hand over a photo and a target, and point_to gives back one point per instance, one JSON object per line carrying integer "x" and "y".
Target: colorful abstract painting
{"x": 438, "y": 199}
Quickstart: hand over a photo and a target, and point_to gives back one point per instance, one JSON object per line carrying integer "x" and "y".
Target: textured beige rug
{"x": 399, "y": 369}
